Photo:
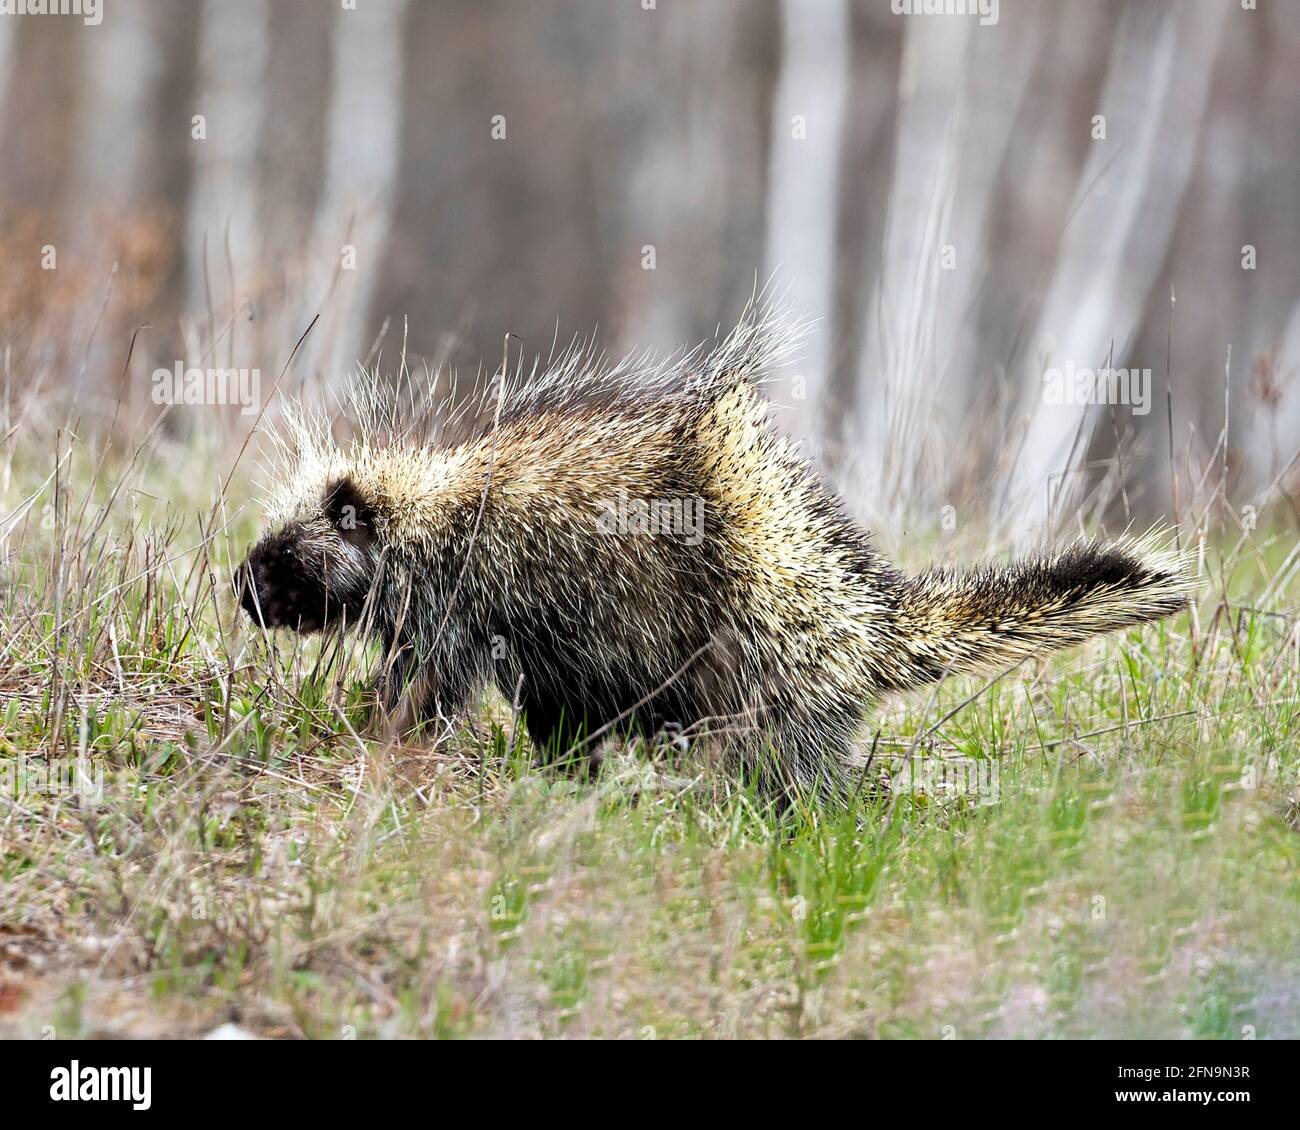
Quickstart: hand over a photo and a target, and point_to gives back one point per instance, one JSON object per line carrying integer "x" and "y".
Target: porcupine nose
{"x": 250, "y": 584}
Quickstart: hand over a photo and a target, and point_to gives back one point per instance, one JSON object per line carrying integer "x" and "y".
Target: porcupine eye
{"x": 350, "y": 514}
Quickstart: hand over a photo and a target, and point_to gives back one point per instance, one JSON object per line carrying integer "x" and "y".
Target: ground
{"x": 1103, "y": 844}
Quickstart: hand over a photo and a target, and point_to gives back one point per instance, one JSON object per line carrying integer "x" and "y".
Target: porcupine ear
{"x": 347, "y": 510}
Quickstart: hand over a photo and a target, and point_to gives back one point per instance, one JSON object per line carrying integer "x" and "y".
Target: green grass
{"x": 1127, "y": 866}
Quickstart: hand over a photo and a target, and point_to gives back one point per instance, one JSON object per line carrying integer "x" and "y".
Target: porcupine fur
{"x": 493, "y": 555}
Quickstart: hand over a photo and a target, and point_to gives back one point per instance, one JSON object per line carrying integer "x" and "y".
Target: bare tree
{"x": 802, "y": 209}
{"x": 223, "y": 218}
{"x": 1125, "y": 205}
{"x": 355, "y": 209}
{"x": 121, "y": 76}
{"x": 898, "y": 389}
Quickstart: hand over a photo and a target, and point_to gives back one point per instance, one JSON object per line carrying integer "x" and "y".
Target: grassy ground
{"x": 1112, "y": 849}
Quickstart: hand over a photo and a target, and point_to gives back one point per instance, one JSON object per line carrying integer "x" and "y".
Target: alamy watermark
{"x": 102, "y": 1084}
{"x": 986, "y": 10}
{"x": 681, "y": 518}
{"x": 62, "y": 776}
{"x": 179, "y": 385}
{"x": 937, "y": 778}
{"x": 90, "y": 11}
{"x": 1130, "y": 387}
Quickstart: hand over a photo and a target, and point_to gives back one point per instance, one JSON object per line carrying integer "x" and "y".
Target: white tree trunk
{"x": 676, "y": 173}
{"x": 803, "y": 173}
{"x": 222, "y": 209}
{"x": 121, "y": 76}
{"x": 949, "y": 152}
{"x": 6, "y": 51}
{"x": 361, "y": 167}
{"x": 1115, "y": 246}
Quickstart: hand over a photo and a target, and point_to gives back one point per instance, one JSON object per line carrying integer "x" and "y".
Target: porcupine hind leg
{"x": 569, "y": 730}
{"x": 800, "y": 758}
{"x": 559, "y": 733}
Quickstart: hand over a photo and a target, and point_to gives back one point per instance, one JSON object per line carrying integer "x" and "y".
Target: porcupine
{"x": 544, "y": 550}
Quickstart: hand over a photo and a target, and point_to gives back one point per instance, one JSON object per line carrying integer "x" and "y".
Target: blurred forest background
{"x": 939, "y": 191}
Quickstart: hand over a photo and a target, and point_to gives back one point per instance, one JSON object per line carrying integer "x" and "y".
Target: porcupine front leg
{"x": 550, "y": 697}
{"x": 418, "y": 688}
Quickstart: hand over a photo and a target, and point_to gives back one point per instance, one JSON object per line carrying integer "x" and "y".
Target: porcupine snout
{"x": 277, "y": 590}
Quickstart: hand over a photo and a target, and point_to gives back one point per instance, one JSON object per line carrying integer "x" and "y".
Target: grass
{"x": 1113, "y": 850}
